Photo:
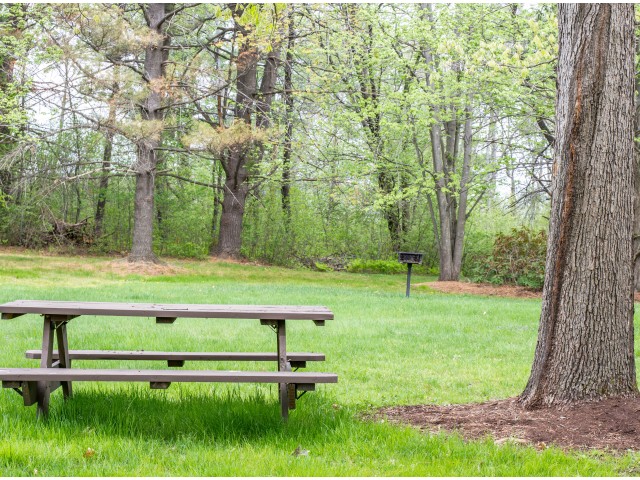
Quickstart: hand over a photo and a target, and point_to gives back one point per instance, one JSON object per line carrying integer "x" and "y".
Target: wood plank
{"x": 44, "y": 387}
{"x": 128, "y": 375}
{"x": 63, "y": 356}
{"x": 190, "y": 356}
{"x": 265, "y": 312}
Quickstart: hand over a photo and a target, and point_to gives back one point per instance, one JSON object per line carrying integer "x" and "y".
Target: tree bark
{"x": 250, "y": 101}
{"x": 461, "y": 221}
{"x": 156, "y": 56}
{"x": 585, "y": 338}
{"x": 636, "y": 198}
{"x": 236, "y": 190}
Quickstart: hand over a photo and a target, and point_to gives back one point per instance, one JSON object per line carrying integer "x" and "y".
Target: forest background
{"x": 324, "y": 135}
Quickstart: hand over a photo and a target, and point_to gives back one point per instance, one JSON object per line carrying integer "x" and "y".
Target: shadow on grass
{"x": 228, "y": 416}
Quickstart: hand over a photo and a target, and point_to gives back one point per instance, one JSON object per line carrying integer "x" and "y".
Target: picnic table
{"x": 36, "y": 384}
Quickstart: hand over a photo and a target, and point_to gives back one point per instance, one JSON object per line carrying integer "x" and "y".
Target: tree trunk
{"x": 236, "y": 162}
{"x": 233, "y": 203}
{"x": 103, "y": 185}
{"x": 156, "y": 56}
{"x": 142, "y": 247}
{"x": 636, "y": 198}
{"x": 461, "y": 221}
{"x": 445, "y": 245}
{"x": 585, "y": 339}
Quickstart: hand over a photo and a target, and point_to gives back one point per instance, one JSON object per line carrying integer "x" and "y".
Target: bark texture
{"x": 156, "y": 56}
{"x": 636, "y": 200}
{"x": 585, "y": 338}
{"x": 237, "y": 162}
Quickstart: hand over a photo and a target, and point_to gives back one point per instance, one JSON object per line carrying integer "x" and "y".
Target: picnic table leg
{"x": 63, "y": 355}
{"x": 44, "y": 388}
{"x": 283, "y": 366}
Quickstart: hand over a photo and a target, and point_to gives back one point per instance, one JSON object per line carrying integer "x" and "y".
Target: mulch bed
{"x": 488, "y": 289}
{"x": 611, "y": 424}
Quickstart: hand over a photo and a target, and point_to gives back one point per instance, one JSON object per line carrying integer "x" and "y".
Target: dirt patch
{"x": 488, "y": 289}
{"x": 611, "y": 424}
{"x": 124, "y": 267}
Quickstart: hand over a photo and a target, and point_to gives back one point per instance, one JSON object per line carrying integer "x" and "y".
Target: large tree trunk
{"x": 636, "y": 199}
{"x": 238, "y": 160}
{"x": 236, "y": 190}
{"x": 156, "y": 56}
{"x": 585, "y": 339}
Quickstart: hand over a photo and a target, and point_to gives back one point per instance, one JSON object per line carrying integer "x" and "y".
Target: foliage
{"x": 322, "y": 267}
{"x": 362, "y": 107}
{"x": 376, "y": 266}
{"x": 518, "y": 258}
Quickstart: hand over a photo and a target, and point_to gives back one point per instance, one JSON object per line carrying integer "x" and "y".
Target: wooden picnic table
{"x": 36, "y": 384}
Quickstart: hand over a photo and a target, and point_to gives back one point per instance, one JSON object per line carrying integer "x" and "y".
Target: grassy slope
{"x": 386, "y": 349}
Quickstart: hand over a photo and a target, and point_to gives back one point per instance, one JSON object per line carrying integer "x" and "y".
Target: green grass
{"x": 386, "y": 349}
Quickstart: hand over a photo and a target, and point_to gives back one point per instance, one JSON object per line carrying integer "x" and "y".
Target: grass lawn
{"x": 386, "y": 349}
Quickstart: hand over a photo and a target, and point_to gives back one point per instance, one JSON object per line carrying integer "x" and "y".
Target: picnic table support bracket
{"x": 175, "y": 363}
{"x": 27, "y": 390}
{"x": 159, "y": 385}
{"x": 63, "y": 355}
{"x": 165, "y": 319}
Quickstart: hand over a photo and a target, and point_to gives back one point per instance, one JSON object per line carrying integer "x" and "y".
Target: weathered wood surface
{"x": 130, "y": 375}
{"x": 262, "y": 312}
{"x": 191, "y": 356}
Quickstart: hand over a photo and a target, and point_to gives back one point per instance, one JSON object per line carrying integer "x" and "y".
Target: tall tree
{"x": 636, "y": 199}
{"x": 241, "y": 145}
{"x": 153, "y": 109}
{"x": 585, "y": 339}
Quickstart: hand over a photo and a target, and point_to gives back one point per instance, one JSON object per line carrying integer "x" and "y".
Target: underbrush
{"x": 517, "y": 258}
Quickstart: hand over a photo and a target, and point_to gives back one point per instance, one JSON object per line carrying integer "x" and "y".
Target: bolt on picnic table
{"x": 36, "y": 384}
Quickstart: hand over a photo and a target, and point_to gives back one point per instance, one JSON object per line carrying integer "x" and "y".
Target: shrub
{"x": 376, "y": 266}
{"x": 322, "y": 267}
{"x": 517, "y": 258}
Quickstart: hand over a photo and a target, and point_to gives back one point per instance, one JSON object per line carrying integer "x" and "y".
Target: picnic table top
{"x": 262, "y": 312}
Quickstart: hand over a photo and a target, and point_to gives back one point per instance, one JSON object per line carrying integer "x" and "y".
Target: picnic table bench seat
{"x": 25, "y": 380}
{"x": 177, "y": 359}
